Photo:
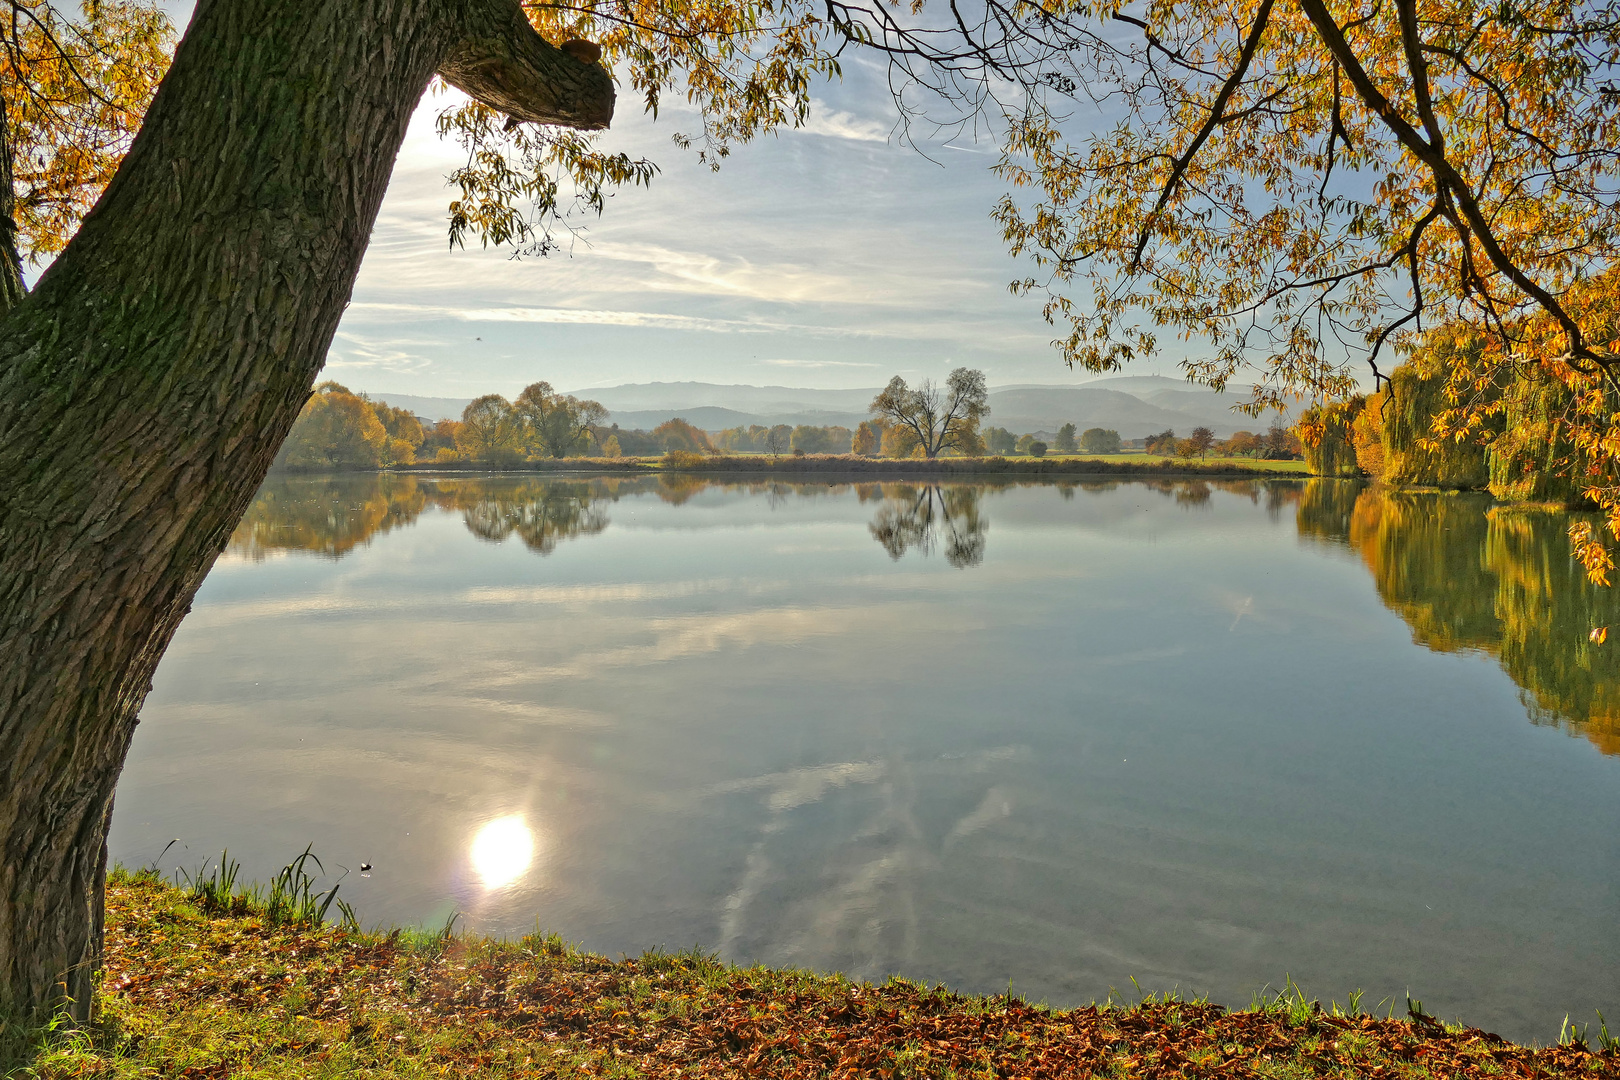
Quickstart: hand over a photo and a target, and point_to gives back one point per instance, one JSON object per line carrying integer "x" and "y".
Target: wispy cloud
{"x": 837, "y": 124}
{"x": 816, "y": 363}
{"x": 595, "y": 317}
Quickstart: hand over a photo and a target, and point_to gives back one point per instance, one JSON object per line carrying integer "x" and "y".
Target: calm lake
{"x": 1205, "y": 736}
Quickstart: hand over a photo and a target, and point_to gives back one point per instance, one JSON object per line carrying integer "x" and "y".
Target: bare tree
{"x": 940, "y": 417}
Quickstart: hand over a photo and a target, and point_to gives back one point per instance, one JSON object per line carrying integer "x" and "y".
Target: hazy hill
{"x": 674, "y": 397}
{"x": 1133, "y": 405}
{"x": 434, "y": 408}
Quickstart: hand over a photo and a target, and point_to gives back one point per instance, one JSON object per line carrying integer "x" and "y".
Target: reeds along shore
{"x": 202, "y": 988}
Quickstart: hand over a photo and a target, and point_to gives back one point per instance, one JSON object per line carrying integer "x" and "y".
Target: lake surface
{"x": 1055, "y": 737}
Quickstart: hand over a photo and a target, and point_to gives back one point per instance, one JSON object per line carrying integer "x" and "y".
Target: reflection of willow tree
{"x": 916, "y": 518}
{"x": 541, "y": 513}
{"x": 1502, "y": 583}
{"x": 329, "y": 517}
{"x": 1324, "y": 509}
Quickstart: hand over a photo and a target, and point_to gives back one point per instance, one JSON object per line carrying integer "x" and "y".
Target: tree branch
{"x": 1210, "y": 124}
{"x": 1445, "y": 174}
{"x": 507, "y": 66}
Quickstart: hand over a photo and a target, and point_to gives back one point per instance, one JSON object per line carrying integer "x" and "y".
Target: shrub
{"x": 1037, "y": 448}
{"x": 683, "y": 459}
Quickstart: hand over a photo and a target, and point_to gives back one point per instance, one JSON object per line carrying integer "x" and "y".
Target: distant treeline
{"x": 339, "y": 429}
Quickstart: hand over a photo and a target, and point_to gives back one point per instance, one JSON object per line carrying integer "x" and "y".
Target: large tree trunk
{"x": 148, "y": 380}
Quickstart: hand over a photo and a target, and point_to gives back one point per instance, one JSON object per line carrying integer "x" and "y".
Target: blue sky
{"x": 831, "y": 256}
{"x": 825, "y": 257}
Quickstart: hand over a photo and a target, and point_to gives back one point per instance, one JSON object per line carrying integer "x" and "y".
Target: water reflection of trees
{"x": 1466, "y": 577}
{"x": 332, "y": 516}
{"x": 540, "y": 513}
{"x": 922, "y": 517}
{"x": 329, "y": 517}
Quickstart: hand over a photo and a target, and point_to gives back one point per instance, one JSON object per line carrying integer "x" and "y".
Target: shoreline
{"x": 196, "y": 989}
{"x": 844, "y": 466}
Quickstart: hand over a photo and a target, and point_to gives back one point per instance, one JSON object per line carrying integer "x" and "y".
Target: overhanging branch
{"x": 507, "y": 66}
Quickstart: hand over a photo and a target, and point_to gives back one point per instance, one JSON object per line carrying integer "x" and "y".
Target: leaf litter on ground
{"x": 224, "y": 994}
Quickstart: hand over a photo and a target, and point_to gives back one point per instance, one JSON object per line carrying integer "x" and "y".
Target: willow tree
{"x": 1299, "y": 185}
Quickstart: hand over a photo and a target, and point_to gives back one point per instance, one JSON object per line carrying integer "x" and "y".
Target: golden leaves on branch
{"x": 75, "y": 88}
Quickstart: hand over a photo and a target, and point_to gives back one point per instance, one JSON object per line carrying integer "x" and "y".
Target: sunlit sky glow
{"x": 831, "y": 256}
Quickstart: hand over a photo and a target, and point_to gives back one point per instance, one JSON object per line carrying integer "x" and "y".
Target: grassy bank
{"x": 193, "y": 994}
{"x": 850, "y": 465}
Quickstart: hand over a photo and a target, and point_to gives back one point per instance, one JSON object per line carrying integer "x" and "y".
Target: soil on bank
{"x": 191, "y": 994}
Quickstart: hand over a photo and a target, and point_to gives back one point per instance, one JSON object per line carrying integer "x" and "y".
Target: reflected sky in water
{"x": 1203, "y": 735}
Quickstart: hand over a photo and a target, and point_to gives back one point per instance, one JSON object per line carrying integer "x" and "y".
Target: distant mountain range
{"x": 1133, "y": 405}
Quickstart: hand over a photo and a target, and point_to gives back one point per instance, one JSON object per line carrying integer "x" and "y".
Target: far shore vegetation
{"x": 217, "y": 980}
{"x": 1521, "y": 453}
{"x": 926, "y": 428}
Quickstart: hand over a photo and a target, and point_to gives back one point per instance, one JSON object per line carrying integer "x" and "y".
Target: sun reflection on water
{"x": 502, "y": 851}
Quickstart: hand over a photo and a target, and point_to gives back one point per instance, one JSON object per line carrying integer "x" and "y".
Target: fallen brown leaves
{"x": 474, "y": 1008}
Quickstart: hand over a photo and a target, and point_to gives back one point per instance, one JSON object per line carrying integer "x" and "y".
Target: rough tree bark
{"x": 11, "y": 280}
{"x": 147, "y": 381}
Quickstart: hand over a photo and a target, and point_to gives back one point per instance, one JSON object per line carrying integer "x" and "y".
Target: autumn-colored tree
{"x": 489, "y": 431}
{"x": 1281, "y": 443}
{"x": 399, "y": 423}
{"x": 441, "y": 436}
{"x": 682, "y": 437}
{"x": 750, "y": 439}
{"x": 867, "y": 438}
{"x": 940, "y": 417}
{"x": 899, "y": 442}
{"x": 1241, "y": 444}
{"x": 555, "y": 424}
{"x": 1164, "y": 443}
{"x": 336, "y": 429}
{"x": 1281, "y": 180}
{"x": 1203, "y": 440}
{"x": 73, "y": 88}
